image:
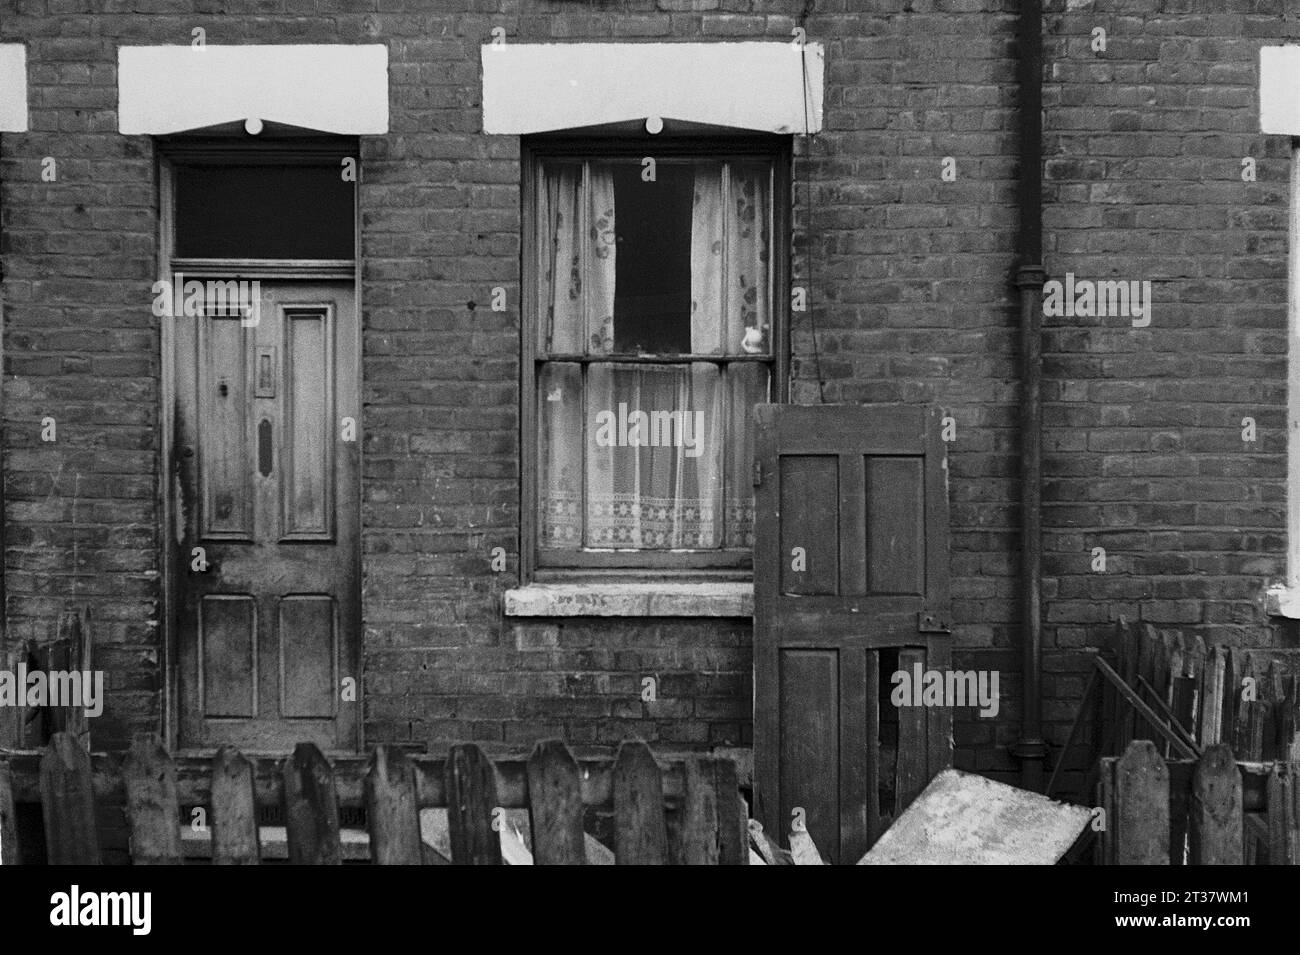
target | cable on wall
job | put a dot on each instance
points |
(808, 199)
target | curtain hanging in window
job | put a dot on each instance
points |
(665, 450)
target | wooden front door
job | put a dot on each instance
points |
(850, 584)
(266, 471)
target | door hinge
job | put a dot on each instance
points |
(758, 473)
(927, 621)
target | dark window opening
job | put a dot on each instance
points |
(652, 303)
(264, 212)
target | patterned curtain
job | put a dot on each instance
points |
(666, 449)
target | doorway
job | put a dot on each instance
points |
(263, 401)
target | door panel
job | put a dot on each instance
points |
(269, 490)
(223, 441)
(850, 568)
(309, 466)
(228, 636)
(308, 649)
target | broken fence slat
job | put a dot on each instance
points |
(9, 854)
(1140, 707)
(555, 805)
(471, 806)
(311, 811)
(1142, 806)
(391, 811)
(151, 809)
(235, 839)
(1215, 823)
(640, 831)
(68, 803)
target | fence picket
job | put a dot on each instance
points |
(68, 803)
(12, 718)
(1142, 806)
(700, 814)
(151, 808)
(471, 806)
(1286, 725)
(555, 805)
(9, 854)
(1135, 661)
(640, 833)
(1110, 835)
(1271, 695)
(235, 838)
(1215, 823)
(1283, 815)
(311, 810)
(1212, 697)
(733, 832)
(391, 808)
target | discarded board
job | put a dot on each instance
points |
(964, 819)
(804, 850)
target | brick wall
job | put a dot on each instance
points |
(911, 301)
(1143, 449)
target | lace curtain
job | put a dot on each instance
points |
(650, 456)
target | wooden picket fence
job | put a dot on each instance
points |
(1170, 688)
(1198, 692)
(689, 813)
(1213, 810)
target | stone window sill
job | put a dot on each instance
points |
(662, 599)
(1282, 601)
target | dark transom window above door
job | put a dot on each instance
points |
(249, 206)
(653, 286)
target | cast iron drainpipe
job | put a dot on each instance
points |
(1030, 748)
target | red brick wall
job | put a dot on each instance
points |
(910, 285)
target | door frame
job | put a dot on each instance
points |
(218, 150)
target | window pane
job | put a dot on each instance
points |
(263, 212)
(746, 385)
(560, 456)
(680, 264)
(654, 457)
(652, 306)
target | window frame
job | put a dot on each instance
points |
(712, 564)
(175, 152)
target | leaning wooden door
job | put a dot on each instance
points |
(851, 582)
(266, 470)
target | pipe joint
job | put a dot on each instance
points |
(1030, 276)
